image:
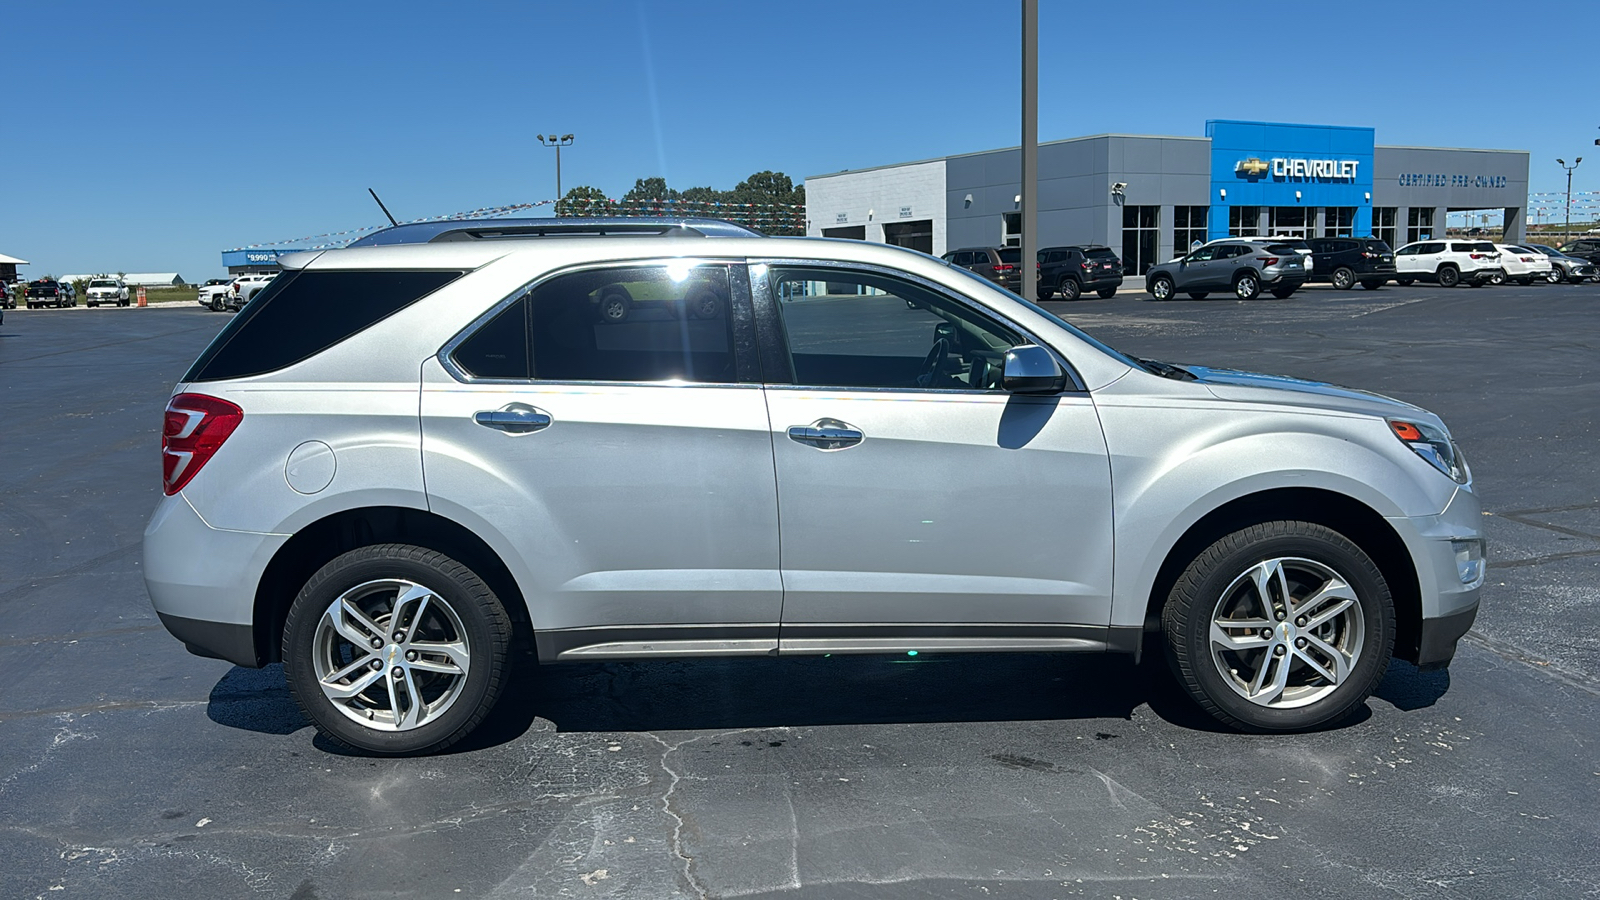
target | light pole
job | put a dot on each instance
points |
(1029, 286)
(558, 143)
(1566, 231)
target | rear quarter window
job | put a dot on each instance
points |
(301, 314)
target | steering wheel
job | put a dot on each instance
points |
(931, 365)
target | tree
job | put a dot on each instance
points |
(776, 206)
(584, 201)
(648, 197)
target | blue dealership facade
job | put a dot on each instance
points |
(1151, 197)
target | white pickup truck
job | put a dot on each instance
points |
(110, 291)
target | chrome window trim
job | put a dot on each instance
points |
(759, 267)
(446, 354)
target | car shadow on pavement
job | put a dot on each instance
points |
(728, 694)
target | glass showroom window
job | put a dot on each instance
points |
(1383, 224)
(1139, 237)
(1188, 227)
(1011, 235)
(1289, 221)
(1242, 221)
(1339, 221)
(1419, 224)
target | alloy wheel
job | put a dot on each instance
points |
(391, 655)
(1287, 632)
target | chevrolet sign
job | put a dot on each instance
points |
(1251, 167)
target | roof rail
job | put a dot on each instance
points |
(501, 229)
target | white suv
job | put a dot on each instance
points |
(400, 463)
(1448, 262)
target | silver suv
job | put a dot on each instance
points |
(1243, 268)
(399, 464)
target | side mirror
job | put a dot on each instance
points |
(1031, 369)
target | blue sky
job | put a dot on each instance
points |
(160, 134)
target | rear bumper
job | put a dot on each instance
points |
(202, 580)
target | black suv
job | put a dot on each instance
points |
(1584, 248)
(1000, 265)
(1073, 270)
(45, 292)
(1343, 261)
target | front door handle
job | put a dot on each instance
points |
(827, 434)
(513, 418)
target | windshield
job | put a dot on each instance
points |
(101, 282)
(1115, 354)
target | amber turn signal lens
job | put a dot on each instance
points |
(1406, 431)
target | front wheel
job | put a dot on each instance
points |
(1344, 278)
(1281, 626)
(396, 649)
(1556, 276)
(1161, 287)
(1405, 282)
(1247, 286)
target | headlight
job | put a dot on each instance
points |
(1434, 445)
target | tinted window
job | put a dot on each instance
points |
(1279, 249)
(1011, 255)
(500, 348)
(102, 283)
(1207, 253)
(865, 330)
(1431, 248)
(300, 314)
(1100, 253)
(1484, 247)
(1377, 247)
(645, 323)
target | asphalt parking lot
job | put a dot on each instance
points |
(130, 769)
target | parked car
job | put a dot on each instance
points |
(46, 292)
(1345, 262)
(1001, 265)
(1448, 263)
(215, 295)
(8, 295)
(1567, 268)
(1072, 270)
(1521, 264)
(1299, 245)
(1243, 268)
(244, 287)
(392, 499)
(69, 293)
(1583, 248)
(110, 291)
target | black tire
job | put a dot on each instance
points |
(1161, 287)
(1199, 295)
(1344, 278)
(1556, 276)
(1069, 287)
(703, 303)
(216, 304)
(1247, 286)
(91, 304)
(1371, 285)
(1499, 277)
(485, 630)
(1449, 276)
(1218, 574)
(1525, 280)
(1405, 282)
(1106, 293)
(615, 306)
(1284, 293)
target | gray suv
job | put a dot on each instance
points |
(403, 470)
(1242, 268)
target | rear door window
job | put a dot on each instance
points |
(301, 314)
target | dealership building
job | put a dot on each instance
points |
(251, 261)
(1150, 198)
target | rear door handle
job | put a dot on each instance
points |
(513, 418)
(827, 434)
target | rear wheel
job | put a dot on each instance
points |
(1449, 276)
(1069, 288)
(1199, 295)
(1281, 626)
(1371, 285)
(1247, 286)
(1343, 278)
(615, 307)
(1161, 287)
(396, 649)
(1106, 293)
(1405, 282)
(703, 303)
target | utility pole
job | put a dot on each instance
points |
(1030, 149)
(558, 143)
(1567, 229)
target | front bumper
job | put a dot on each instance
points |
(202, 580)
(1449, 604)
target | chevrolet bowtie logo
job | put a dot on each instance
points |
(1251, 167)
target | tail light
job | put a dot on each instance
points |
(1478, 255)
(193, 431)
(1269, 260)
(1003, 267)
(1086, 265)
